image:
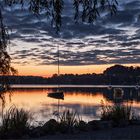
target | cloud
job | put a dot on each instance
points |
(109, 40)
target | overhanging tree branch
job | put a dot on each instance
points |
(85, 10)
(5, 59)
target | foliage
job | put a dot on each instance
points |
(86, 10)
(69, 120)
(91, 9)
(110, 76)
(5, 59)
(15, 123)
(116, 113)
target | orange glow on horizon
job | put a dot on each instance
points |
(49, 70)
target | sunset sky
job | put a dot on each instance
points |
(84, 48)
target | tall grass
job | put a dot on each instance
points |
(116, 112)
(15, 123)
(69, 120)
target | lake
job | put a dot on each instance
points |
(86, 101)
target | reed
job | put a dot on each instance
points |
(15, 123)
(69, 120)
(116, 113)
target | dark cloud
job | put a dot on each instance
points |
(109, 40)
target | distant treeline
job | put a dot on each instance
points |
(117, 74)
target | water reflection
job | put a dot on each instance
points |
(86, 102)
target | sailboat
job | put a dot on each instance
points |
(58, 94)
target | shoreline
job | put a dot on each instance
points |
(105, 132)
(37, 86)
(124, 133)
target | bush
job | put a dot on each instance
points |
(15, 123)
(117, 113)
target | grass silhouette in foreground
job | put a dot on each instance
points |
(117, 113)
(16, 122)
(69, 120)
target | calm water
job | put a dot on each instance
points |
(86, 101)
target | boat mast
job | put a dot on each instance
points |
(58, 72)
(58, 62)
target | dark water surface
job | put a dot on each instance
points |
(85, 100)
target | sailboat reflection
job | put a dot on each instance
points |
(59, 96)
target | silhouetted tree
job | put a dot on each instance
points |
(5, 60)
(117, 75)
(85, 10)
